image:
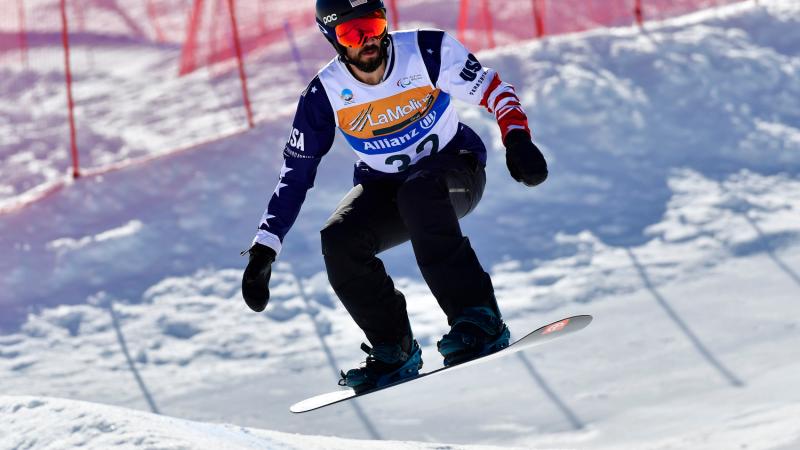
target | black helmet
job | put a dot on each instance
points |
(333, 12)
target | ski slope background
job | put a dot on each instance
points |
(672, 215)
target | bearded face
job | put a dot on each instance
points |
(369, 57)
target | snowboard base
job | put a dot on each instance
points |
(537, 337)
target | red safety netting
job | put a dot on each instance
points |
(487, 23)
(89, 86)
(259, 25)
(94, 85)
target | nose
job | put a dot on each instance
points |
(372, 40)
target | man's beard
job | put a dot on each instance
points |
(370, 65)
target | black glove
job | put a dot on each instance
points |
(524, 160)
(255, 282)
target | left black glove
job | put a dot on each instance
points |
(524, 160)
(255, 281)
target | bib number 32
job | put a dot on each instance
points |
(431, 142)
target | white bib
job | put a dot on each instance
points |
(393, 124)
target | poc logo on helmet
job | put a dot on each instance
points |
(328, 19)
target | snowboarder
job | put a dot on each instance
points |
(420, 171)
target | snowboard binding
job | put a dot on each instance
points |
(477, 332)
(385, 364)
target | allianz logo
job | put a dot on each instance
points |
(428, 121)
(365, 117)
(425, 123)
(389, 143)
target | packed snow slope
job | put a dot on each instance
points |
(40, 422)
(672, 215)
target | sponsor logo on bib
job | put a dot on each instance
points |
(428, 121)
(347, 96)
(394, 123)
(378, 122)
(384, 144)
(408, 81)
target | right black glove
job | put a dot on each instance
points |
(525, 162)
(255, 281)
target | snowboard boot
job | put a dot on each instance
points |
(385, 364)
(477, 332)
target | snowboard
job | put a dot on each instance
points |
(539, 336)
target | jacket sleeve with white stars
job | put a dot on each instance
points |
(313, 131)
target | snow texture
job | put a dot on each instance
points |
(40, 422)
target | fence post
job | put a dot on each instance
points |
(242, 75)
(217, 12)
(262, 24)
(23, 36)
(395, 15)
(153, 15)
(188, 60)
(463, 18)
(70, 102)
(538, 18)
(637, 12)
(487, 20)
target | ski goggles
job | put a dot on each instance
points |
(354, 33)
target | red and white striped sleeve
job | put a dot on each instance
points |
(462, 76)
(501, 100)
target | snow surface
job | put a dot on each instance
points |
(31, 422)
(672, 215)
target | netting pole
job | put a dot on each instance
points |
(153, 14)
(70, 103)
(23, 37)
(487, 20)
(538, 18)
(637, 11)
(217, 12)
(188, 60)
(463, 18)
(262, 23)
(393, 12)
(242, 75)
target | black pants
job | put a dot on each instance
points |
(424, 208)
